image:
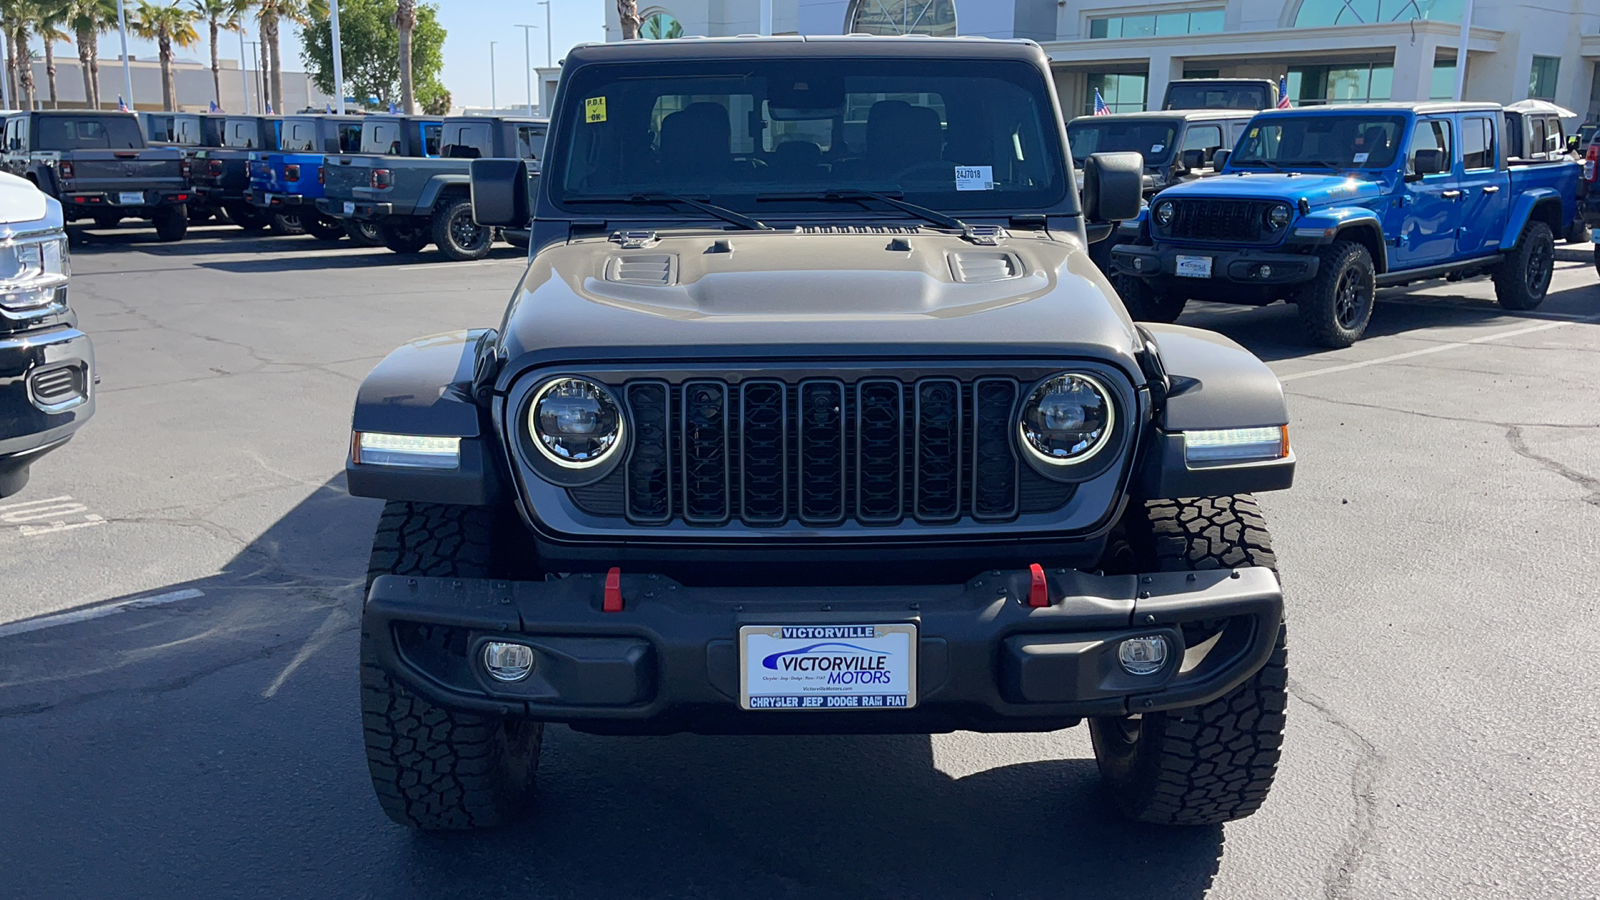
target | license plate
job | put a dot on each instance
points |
(828, 667)
(130, 198)
(349, 208)
(1194, 267)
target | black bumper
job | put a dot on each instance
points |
(1160, 263)
(354, 209)
(85, 202)
(669, 660)
(275, 200)
(36, 416)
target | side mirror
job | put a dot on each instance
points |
(1220, 159)
(1192, 160)
(500, 193)
(1427, 162)
(1113, 186)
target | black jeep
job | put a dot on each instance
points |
(811, 414)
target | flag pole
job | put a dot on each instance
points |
(127, 70)
(338, 55)
(244, 72)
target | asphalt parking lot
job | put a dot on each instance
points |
(1439, 552)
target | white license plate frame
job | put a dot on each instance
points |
(1192, 266)
(873, 667)
(130, 198)
(349, 208)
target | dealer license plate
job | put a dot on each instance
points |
(1194, 267)
(130, 198)
(349, 208)
(828, 667)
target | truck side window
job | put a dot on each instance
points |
(1477, 144)
(432, 135)
(530, 141)
(1203, 137)
(1430, 134)
(349, 138)
(1536, 145)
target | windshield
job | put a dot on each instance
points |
(1153, 139)
(774, 135)
(89, 133)
(1331, 142)
(1217, 96)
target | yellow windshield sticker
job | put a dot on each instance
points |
(594, 110)
(1253, 131)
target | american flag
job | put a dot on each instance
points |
(215, 108)
(1100, 107)
(122, 105)
(1283, 93)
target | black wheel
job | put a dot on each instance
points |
(433, 767)
(1145, 303)
(248, 217)
(458, 236)
(288, 223)
(1523, 277)
(323, 229)
(1212, 763)
(172, 223)
(1579, 232)
(107, 219)
(1336, 306)
(365, 234)
(404, 238)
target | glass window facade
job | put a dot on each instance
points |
(1359, 83)
(1122, 93)
(1200, 21)
(935, 17)
(1325, 13)
(1443, 86)
(1542, 77)
(659, 27)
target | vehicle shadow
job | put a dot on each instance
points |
(211, 746)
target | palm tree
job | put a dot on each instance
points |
(220, 15)
(405, 21)
(270, 13)
(166, 25)
(87, 19)
(51, 17)
(19, 16)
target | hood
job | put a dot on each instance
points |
(788, 294)
(21, 202)
(1317, 189)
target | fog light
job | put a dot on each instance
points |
(1138, 264)
(1143, 655)
(512, 662)
(1264, 271)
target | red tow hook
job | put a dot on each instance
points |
(1039, 593)
(613, 596)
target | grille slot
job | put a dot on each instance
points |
(1217, 220)
(822, 452)
(58, 388)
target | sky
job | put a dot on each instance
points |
(469, 25)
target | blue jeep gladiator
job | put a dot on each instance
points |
(290, 181)
(1320, 207)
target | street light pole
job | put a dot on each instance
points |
(527, 62)
(244, 73)
(127, 70)
(1461, 50)
(494, 102)
(261, 90)
(338, 55)
(548, 37)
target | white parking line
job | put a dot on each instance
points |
(1437, 348)
(53, 513)
(97, 612)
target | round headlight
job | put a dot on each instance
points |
(575, 423)
(1278, 216)
(1067, 420)
(1164, 211)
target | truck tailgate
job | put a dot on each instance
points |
(347, 177)
(110, 170)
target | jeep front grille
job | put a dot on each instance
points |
(1238, 221)
(822, 452)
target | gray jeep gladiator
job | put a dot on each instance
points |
(810, 414)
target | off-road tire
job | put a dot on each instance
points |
(324, 229)
(288, 223)
(363, 234)
(1336, 306)
(436, 768)
(404, 238)
(459, 237)
(1144, 303)
(1579, 232)
(172, 223)
(1522, 279)
(247, 217)
(1212, 763)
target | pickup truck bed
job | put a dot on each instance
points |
(412, 201)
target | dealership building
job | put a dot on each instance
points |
(1327, 50)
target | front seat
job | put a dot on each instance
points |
(695, 144)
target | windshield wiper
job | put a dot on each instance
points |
(723, 213)
(856, 195)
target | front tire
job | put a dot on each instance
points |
(1216, 762)
(458, 236)
(406, 238)
(172, 223)
(1523, 278)
(1336, 306)
(1145, 303)
(436, 768)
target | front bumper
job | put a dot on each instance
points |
(354, 209)
(36, 416)
(1227, 265)
(669, 660)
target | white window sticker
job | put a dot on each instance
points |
(1157, 148)
(1359, 158)
(974, 178)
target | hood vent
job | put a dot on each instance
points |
(984, 268)
(655, 270)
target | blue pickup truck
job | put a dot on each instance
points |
(1320, 207)
(289, 182)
